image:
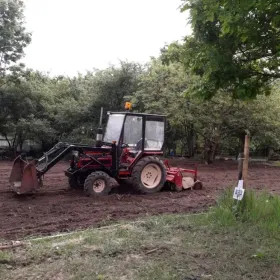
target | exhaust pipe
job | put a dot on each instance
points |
(99, 136)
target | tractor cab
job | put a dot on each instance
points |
(135, 131)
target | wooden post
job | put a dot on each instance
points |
(246, 161)
(240, 165)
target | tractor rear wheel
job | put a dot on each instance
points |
(149, 175)
(97, 184)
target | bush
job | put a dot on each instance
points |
(6, 153)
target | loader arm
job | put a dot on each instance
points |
(26, 175)
(57, 153)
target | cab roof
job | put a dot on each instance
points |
(136, 114)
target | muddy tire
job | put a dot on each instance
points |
(97, 184)
(148, 175)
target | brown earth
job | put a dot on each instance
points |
(56, 208)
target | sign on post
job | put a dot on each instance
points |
(239, 191)
(242, 171)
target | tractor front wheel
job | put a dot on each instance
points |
(97, 184)
(149, 175)
(75, 182)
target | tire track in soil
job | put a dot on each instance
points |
(55, 208)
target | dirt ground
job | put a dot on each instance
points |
(56, 208)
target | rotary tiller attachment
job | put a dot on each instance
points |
(23, 178)
(180, 178)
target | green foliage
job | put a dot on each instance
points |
(206, 124)
(211, 63)
(5, 257)
(38, 107)
(161, 90)
(36, 129)
(110, 88)
(45, 109)
(234, 47)
(13, 36)
(261, 211)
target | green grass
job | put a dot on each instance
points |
(259, 212)
(232, 241)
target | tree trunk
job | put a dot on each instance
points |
(209, 156)
(190, 142)
(182, 149)
(14, 145)
(9, 143)
(242, 142)
(207, 153)
(210, 150)
(18, 143)
(214, 152)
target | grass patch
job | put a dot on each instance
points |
(274, 163)
(259, 212)
(5, 257)
(232, 241)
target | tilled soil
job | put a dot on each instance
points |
(56, 208)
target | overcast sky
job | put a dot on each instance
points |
(71, 36)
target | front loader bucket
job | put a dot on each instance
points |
(23, 178)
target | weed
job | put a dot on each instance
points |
(5, 257)
(258, 210)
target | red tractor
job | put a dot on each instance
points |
(130, 149)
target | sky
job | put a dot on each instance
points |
(71, 36)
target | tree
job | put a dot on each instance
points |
(223, 121)
(13, 40)
(13, 35)
(160, 91)
(209, 124)
(110, 88)
(235, 47)
(22, 103)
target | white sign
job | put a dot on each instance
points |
(239, 191)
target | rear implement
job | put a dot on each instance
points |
(180, 179)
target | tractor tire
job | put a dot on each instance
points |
(97, 184)
(148, 175)
(74, 183)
